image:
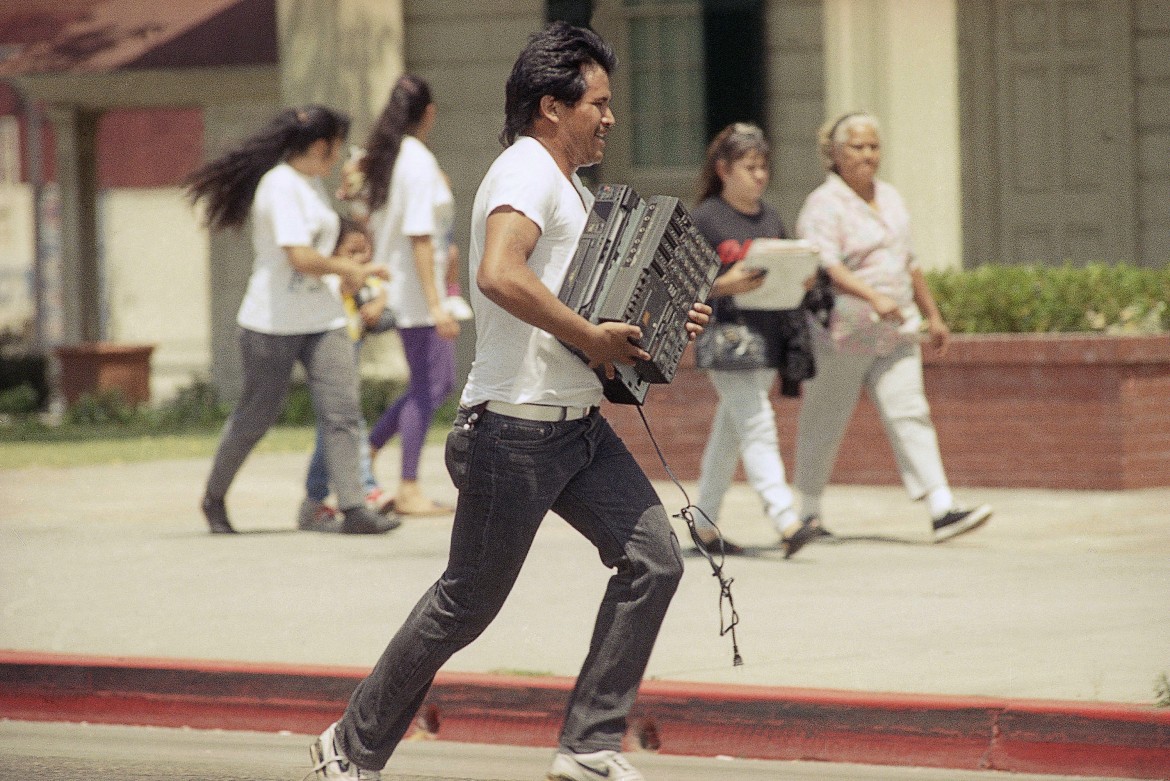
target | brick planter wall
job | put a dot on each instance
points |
(1011, 410)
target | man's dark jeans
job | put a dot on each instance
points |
(510, 473)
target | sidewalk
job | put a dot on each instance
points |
(1062, 597)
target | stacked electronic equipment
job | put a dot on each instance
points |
(641, 262)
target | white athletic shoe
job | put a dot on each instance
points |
(330, 764)
(599, 765)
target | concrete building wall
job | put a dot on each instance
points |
(340, 53)
(465, 52)
(796, 95)
(1152, 89)
(899, 59)
(154, 253)
(17, 240)
(17, 246)
(156, 281)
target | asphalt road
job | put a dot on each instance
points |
(73, 752)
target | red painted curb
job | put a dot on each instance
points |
(985, 733)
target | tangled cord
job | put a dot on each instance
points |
(728, 618)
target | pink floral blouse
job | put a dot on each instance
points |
(873, 243)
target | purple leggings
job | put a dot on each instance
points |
(431, 359)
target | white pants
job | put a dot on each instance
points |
(894, 384)
(744, 428)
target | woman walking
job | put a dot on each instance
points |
(730, 214)
(292, 309)
(411, 213)
(862, 228)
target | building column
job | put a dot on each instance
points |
(229, 250)
(899, 59)
(75, 132)
(345, 54)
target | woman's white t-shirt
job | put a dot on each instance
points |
(419, 204)
(291, 210)
(514, 361)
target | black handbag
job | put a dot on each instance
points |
(730, 345)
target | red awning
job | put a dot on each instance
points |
(96, 36)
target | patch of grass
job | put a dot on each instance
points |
(70, 446)
(102, 428)
(63, 447)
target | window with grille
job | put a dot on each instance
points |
(667, 82)
(694, 66)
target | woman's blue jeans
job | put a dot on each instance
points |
(317, 478)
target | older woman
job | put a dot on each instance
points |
(862, 228)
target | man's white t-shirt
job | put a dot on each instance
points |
(514, 361)
(290, 210)
(419, 204)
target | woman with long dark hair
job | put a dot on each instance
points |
(411, 213)
(292, 309)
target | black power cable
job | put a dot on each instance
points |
(727, 619)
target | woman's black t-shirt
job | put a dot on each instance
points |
(730, 232)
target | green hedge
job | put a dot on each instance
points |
(1039, 299)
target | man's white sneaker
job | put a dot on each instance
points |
(330, 763)
(599, 765)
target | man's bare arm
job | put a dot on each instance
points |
(506, 280)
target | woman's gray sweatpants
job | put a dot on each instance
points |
(333, 381)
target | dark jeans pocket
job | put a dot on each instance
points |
(458, 453)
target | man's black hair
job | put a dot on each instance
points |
(551, 64)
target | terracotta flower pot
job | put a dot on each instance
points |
(91, 367)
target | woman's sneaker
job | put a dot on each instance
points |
(363, 520)
(608, 765)
(317, 516)
(379, 501)
(330, 763)
(959, 521)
